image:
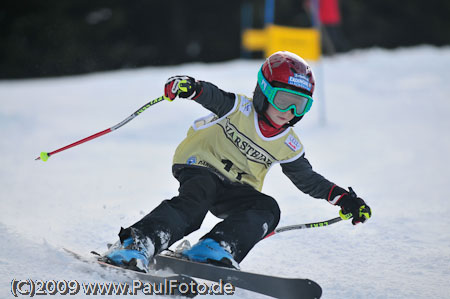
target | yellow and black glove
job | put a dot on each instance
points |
(183, 87)
(351, 205)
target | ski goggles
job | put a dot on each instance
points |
(285, 99)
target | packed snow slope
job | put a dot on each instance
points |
(386, 134)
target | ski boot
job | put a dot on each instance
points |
(133, 251)
(211, 252)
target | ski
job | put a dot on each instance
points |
(166, 281)
(278, 287)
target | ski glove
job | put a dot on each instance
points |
(182, 86)
(351, 205)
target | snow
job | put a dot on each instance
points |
(386, 135)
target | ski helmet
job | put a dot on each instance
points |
(288, 70)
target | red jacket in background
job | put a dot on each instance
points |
(329, 13)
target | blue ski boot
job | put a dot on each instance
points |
(133, 251)
(211, 252)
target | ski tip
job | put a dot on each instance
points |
(316, 289)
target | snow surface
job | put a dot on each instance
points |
(386, 135)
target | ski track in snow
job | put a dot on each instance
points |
(386, 135)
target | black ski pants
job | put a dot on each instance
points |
(248, 215)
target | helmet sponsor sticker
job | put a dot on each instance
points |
(301, 81)
(293, 143)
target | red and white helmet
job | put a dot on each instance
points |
(289, 70)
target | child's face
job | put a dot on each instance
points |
(278, 117)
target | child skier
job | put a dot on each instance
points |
(221, 167)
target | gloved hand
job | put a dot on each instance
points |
(351, 203)
(182, 86)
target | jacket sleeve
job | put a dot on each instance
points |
(300, 172)
(216, 100)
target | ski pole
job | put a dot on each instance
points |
(310, 225)
(44, 155)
